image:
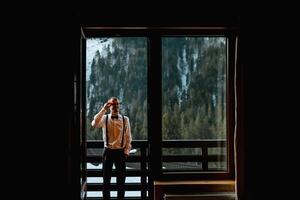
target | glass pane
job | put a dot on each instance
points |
(117, 67)
(194, 97)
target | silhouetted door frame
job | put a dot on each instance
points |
(80, 95)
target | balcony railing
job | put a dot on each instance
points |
(137, 164)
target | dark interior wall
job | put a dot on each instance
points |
(159, 15)
(270, 106)
(40, 52)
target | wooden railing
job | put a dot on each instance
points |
(141, 157)
(203, 158)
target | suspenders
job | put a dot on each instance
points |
(106, 129)
(123, 130)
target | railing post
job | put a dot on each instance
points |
(204, 156)
(143, 172)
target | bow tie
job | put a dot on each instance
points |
(114, 117)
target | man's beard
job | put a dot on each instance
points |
(114, 112)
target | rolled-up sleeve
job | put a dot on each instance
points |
(98, 120)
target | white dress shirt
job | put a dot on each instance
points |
(115, 131)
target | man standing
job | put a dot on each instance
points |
(117, 144)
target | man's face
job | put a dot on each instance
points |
(114, 105)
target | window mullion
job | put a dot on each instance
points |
(154, 105)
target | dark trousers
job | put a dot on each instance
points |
(111, 157)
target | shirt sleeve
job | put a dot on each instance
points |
(98, 120)
(127, 137)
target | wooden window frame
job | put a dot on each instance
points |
(154, 88)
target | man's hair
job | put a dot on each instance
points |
(115, 99)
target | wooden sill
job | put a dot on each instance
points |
(192, 186)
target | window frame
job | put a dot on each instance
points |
(154, 87)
